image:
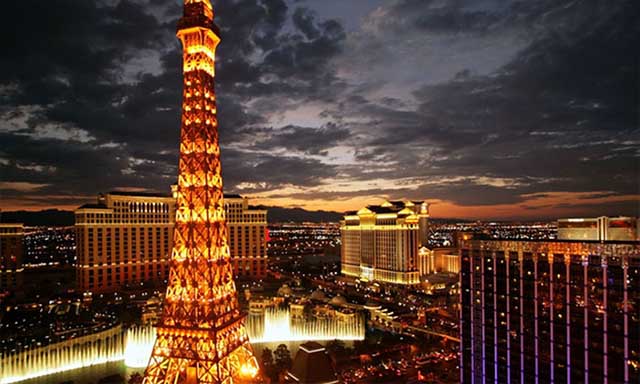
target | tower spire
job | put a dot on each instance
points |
(201, 335)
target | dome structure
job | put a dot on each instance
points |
(338, 300)
(318, 295)
(285, 291)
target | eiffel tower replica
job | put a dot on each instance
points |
(201, 337)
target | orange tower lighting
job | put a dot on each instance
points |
(201, 336)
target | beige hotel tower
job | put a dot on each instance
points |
(126, 238)
(381, 242)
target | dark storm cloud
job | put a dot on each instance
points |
(563, 114)
(477, 17)
(70, 75)
(85, 168)
(606, 210)
(447, 16)
(312, 141)
(65, 48)
(262, 172)
(463, 192)
(475, 102)
(304, 21)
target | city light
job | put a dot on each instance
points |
(412, 192)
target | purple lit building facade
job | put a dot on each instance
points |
(549, 312)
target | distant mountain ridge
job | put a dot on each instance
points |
(46, 218)
(58, 218)
(299, 215)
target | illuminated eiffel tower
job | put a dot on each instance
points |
(201, 336)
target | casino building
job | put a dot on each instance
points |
(126, 239)
(382, 242)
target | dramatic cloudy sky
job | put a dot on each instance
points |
(486, 108)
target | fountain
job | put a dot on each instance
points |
(85, 351)
(277, 325)
(139, 346)
(134, 345)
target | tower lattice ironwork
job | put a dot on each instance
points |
(201, 337)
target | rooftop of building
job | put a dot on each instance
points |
(93, 206)
(312, 347)
(312, 365)
(155, 194)
(141, 194)
(138, 194)
(11, 229)
(441, 277)
(380, 209)
(11, 225)
(393, 206)
(599, 217)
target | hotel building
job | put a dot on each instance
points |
(381, 243)
(549, 311)
(11, 252)
(438, 260)
(126, 239)
(599, 228)
(247, 237)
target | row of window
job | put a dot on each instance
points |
(117, 276)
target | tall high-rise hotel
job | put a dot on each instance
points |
(126, 238)
(381, 242)
(550, 311)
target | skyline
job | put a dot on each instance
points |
(488, 109)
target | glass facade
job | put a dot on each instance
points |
(542, 312)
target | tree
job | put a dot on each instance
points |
(267, 357)
(359, 346)
(283, 357)
(336, 345)
(336, 349)
(135, 378)
(268, 366)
